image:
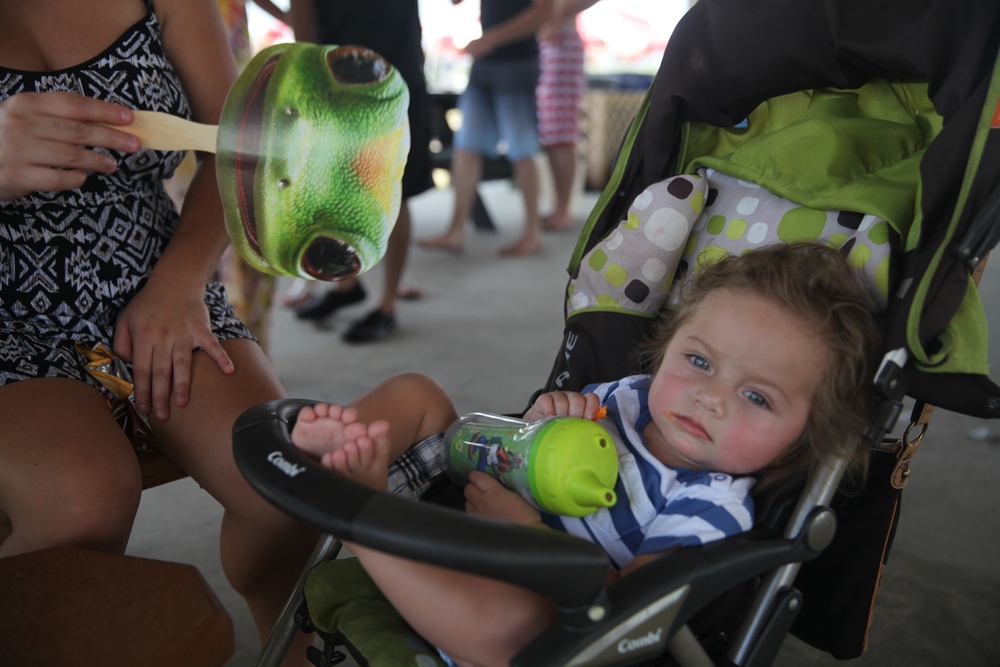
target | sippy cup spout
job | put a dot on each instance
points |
(587, 489)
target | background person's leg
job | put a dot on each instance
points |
(381, 322)
(530, 241)
(477, 136)
(561, 86)
(562, 162)
(518, 127)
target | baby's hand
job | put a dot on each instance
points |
(486, 496)
(564, 404)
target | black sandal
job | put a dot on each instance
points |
(324, 305)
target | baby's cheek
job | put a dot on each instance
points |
(763, 446)
(663, 392)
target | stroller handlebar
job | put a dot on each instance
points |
(569, 570)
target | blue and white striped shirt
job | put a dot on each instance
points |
(659, 506)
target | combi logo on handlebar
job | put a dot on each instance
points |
(652, 638)
(284, 465)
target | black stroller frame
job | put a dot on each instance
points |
(726, 57)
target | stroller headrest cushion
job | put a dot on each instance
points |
(682, 222)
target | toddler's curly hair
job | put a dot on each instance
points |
(815, 283)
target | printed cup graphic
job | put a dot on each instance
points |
(561, 465)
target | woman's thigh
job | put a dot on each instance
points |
(198, 437)
(66, 469)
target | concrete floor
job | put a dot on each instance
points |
(488, 329)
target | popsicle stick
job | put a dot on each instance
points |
(163, 132)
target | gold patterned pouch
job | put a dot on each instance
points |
(104, 366)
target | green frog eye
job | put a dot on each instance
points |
(330, 259)
(358, 65)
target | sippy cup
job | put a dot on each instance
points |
(561, 465)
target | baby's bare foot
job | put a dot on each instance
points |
(323, 428)
(364, 459)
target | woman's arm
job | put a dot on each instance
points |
(302, 14)
(272, 9)
(168, 319)
(519, 26)
(566, 10)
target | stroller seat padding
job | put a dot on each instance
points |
(345, 603)
(682, 222)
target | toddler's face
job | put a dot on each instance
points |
(735, 386)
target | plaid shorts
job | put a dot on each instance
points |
(413, 472)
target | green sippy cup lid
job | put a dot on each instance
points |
(575, 467)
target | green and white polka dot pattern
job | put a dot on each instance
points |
(633, 267)
(682, 222)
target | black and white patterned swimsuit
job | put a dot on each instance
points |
(70, 261)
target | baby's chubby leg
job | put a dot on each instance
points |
(343, 444)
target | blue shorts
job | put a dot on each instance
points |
(495, 121)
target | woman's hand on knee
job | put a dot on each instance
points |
(158, 332)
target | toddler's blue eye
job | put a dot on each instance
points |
(699, 362)
(756, 398)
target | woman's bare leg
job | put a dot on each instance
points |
(68, 475)
(530, 242)
(263, 550)
(562, 161)
(394, 262)
(466, 172)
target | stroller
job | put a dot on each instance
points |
(772, 65)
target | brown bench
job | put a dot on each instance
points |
(68, 607)
(71, 607)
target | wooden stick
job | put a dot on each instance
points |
(163, 132)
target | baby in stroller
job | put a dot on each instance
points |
(762, 371)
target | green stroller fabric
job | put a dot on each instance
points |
(864, 151)
(345, 604)
(856, 150)
(778, 65)
(785, 63)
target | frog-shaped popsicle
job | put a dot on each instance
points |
(311, 149)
